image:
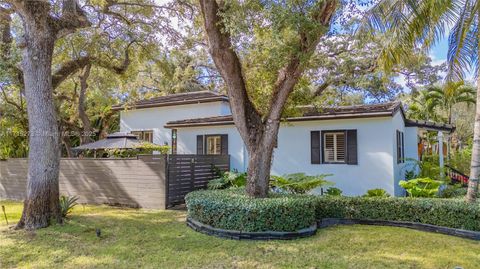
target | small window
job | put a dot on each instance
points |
(400, 147)
(334, 147)
(214, 145)
(144, 135)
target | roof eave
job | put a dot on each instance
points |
(183, 102)
(292, 119)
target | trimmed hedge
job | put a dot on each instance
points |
(441, 212)
(233, 210)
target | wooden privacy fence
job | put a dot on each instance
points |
(187, 173)
(135, 182)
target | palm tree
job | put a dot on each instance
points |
(421, 108)
(446, 96)
(419, 24)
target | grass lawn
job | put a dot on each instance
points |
(160, 239)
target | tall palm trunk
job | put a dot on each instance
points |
(475, 163)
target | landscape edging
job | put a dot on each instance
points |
(239, 235)
(327, 222)
(324, 223)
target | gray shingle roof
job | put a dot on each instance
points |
(310, 113)
(177, 99)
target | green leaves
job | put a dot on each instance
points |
(421, 187)
(228, 180)
(233, 210)
(67, 203)
(443, 212)
(299, 183)
(377, 193)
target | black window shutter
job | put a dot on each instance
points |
(403, 149)
(224, 142)
(352, 147)
(399, 150)
(200, 145)
(315, 147)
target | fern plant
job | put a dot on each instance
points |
(228, 180)
(67, 203)
(332, 191)
(377, 193)
(299, 183)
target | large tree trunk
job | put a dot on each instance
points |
(260, 162)
(475, 163)
(41, 204)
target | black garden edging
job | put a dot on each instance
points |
(324, 223)
(327, 222)
(238, 235)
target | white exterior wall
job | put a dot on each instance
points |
(376, 152)
(374, 168)
(156, 118)
(399, 168)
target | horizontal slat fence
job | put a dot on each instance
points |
(187, 173)
(135, 182)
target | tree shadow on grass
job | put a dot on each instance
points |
(160, 239)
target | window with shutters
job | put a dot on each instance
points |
(214, 144)
(334, 147)
(144, 135)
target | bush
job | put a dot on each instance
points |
(228, 180)
(332, 191)
(452, 191)
(67, 204)
(299, 183)
(377, 193)
(441, 212)
(231, 209)
(421, 187)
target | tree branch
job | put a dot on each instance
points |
(82, 114)
(73, 17)
(71, 67)
(245, 115)
(290, 74)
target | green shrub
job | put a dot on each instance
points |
(453, 191)
(299, 183)
(228, 180)
(377, 193)
(332, 191)
(67, 203)
(460, 160)
(442, 212)
(421, 187)
(231, 209)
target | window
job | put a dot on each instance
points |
(334, 147)
(400, 147)
(144, 135)
(214, 145)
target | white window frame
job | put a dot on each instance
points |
(217, 141)
(141, 135)
(335, 147)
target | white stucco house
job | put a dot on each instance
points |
(363, 147)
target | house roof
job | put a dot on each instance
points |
(310, 113)
(176, 99)
(429, 125)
